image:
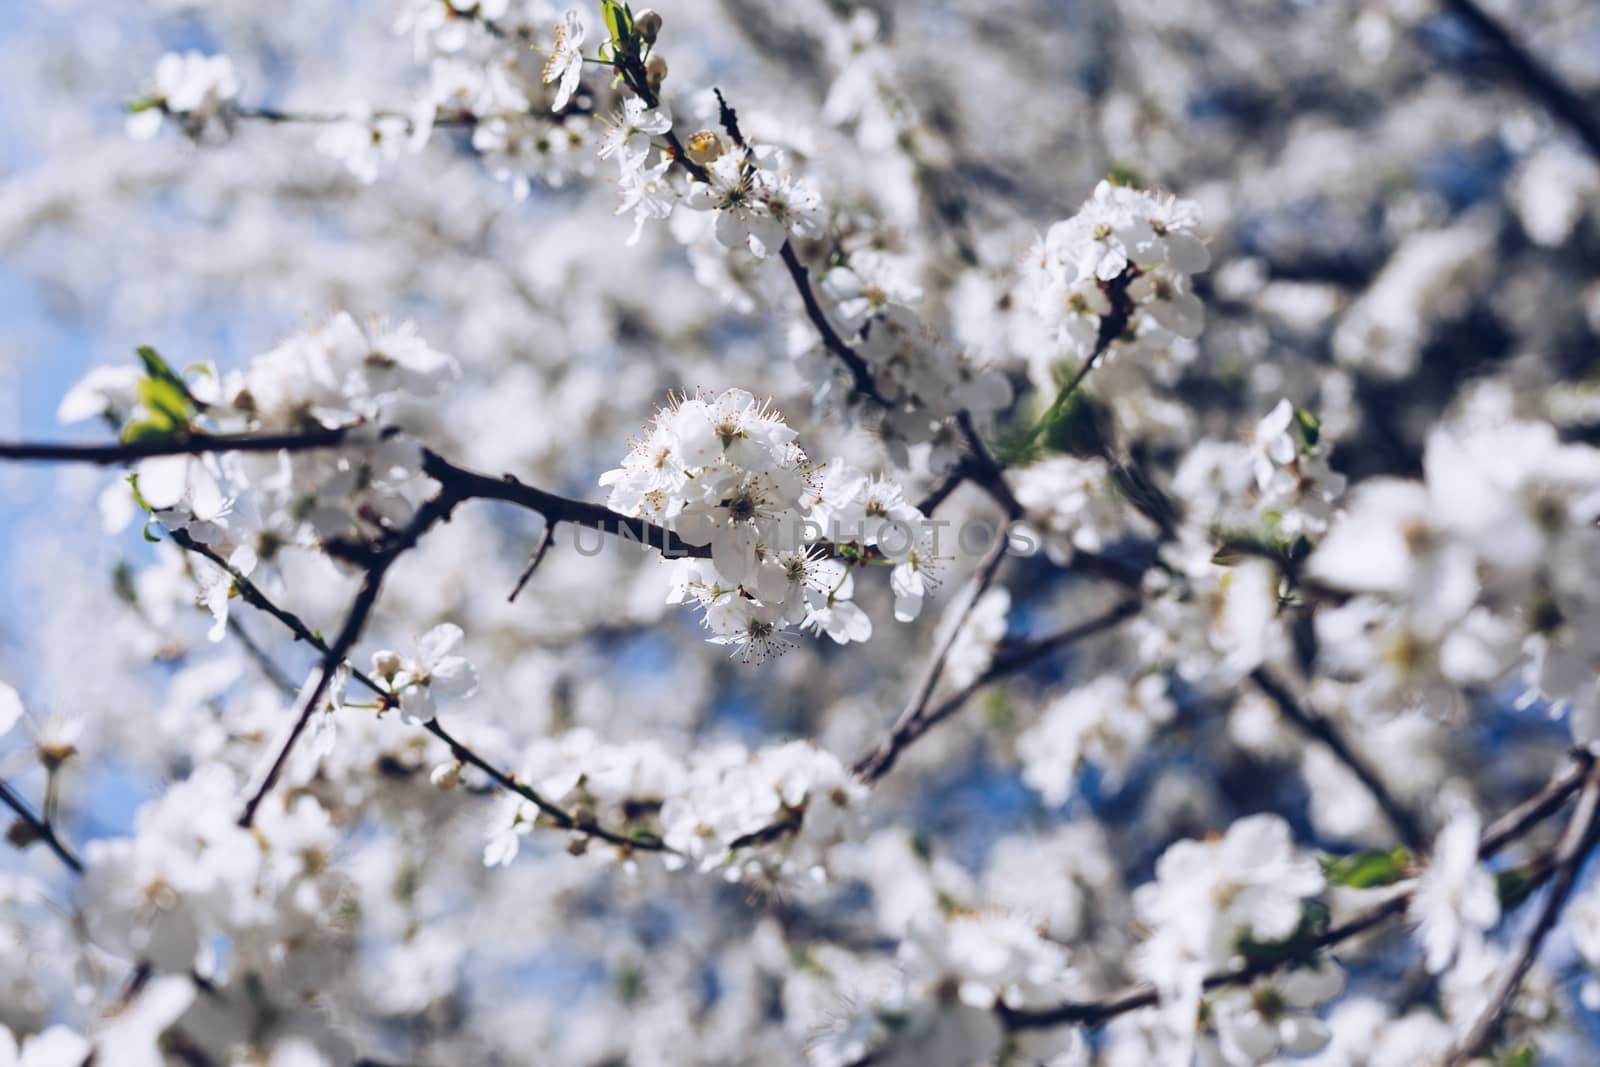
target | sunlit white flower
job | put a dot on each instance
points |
(565, 65)
(438, 671)
(1455, 899)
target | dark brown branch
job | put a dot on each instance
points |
(252, 595)
(470, 485)
(1509, 827)
(557, 815)
(860, 373)
(545, 541)
(1535, 78)
(191, 444)
(1405, 823)
(434, 511)
(877, 762)
(37, 829)
(1575, 845)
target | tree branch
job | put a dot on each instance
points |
(912, 724)
(38, 829)
(190, 444)
(545, 541)
(1575, 845)
(1536, 79)
(1405, 823)
(1509, 827)
(252, 595)
(434, 511)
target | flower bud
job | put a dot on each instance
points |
(446, 775)
(656, 71)
(648, 23)
(386, 663)
(705, 147)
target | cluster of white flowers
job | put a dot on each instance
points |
(1123, 245)
(1106, 723)
(954, 970)
(192, 89)
(1463, 576)
(339, 375)
(1072, 506)
(924, 379)
(192, 892)
(1209, 897)
(1252, 511)
(724, 470)
(248, 506)
(770, 816)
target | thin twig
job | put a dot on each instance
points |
(545, 541)
(270, 670)
(561, 818)
(1537, 79)
(1406, 825)
(253, 596)
(876, 764)
(1574, 847)
(38, 829)
(366, 598)
(1509, 827)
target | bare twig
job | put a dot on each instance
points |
(1575, 845)
(558, 816)
(545, 541)
(1504, 830)
(1535, 78)
(875, 764)
(258, 655)
(38, 829)
(430, 513)
(1405, 822)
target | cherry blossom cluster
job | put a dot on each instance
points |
(725, 471)
(1466, 577)
(250, 506)
(196, 91)
(252, 912)
(1127, 257)
(953, 971)
(770, 816)
(1211, 898)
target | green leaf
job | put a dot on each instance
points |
(157, 428)
(144, 103)
(1515, 885)
(1310, 427)
(160, 370)
(148, 536)
(619, 21)
(1300, 946)
(157, 367)
(166, 401)
(1521, 1056)
(1125, 175)
(1367, 870)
